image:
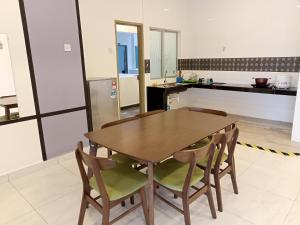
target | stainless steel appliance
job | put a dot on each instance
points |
(103, 101)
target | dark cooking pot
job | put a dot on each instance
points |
(261, 81)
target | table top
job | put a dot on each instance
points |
(10, 101)
(157, 137)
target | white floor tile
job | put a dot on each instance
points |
(71, 165)
(273, 180)
(259, 207)
(12, 205)
(249, 155)
(3, 179)
(46, 185)
(293, 217)
(28, 219)
(32, 169)
(65, 210)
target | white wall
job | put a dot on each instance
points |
(98, 30)
(97, 20)
(242, 28)
(245, 28)
(296, 125)
(20, 146)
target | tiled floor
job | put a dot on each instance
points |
(269, 188)
(267, 133)
(129, 112)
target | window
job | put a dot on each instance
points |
(163, 53)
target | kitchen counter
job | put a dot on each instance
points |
(173, 88)
(248, 88)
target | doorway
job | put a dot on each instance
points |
(130, 65)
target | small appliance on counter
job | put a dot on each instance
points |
(207, 81)
(283, 81)
(261, 82)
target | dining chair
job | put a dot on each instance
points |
(120, 158)
(221, 157)
(114, 182)
(150, 113)
(209, 111)
(205, 141)
(180, 174)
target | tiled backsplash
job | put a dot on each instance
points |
(263, 64)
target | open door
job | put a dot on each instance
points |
(130, 64)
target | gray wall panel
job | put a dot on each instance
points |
(62, 132)
(58, 74)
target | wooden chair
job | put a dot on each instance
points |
(210, 111)
(221, 157)
(113, 182)
(180, 173)
(150, 113)
(119, 157)
(205, 141)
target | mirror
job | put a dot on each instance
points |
(8, 98)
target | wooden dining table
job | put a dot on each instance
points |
(155, 138)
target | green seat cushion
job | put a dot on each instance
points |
(120, 181)
(200, 143)
(120, 158)
(203, 162)
(172, 173)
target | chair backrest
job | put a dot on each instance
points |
(191, 156)
(231, 140)
(96, 164)
(210, 111)
(110, 124)
(141, 115)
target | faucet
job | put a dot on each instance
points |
(165, 81)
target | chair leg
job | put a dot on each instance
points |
(233, 179)
(82, 210)
(211, 203)
(123, 204)
(218, 192)
(186, 210)
(144, 204)
(105, 215)
(132, 200)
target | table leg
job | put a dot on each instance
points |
(7, 113)
(150, 194)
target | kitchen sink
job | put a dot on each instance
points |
(172, 85)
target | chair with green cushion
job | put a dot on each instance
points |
(120, 158)
(180, 175)
(114, 182)
(209, 111)
(220, 157)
